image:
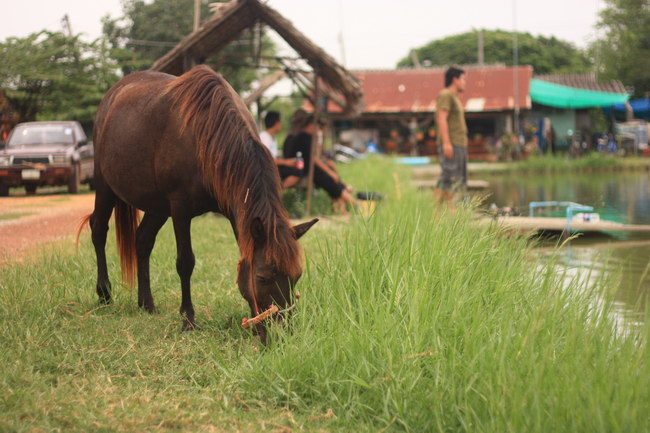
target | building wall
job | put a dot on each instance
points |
(563, 122)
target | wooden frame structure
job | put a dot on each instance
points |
(328, 78)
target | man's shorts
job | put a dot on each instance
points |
(454, 169)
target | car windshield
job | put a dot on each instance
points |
(34, 135)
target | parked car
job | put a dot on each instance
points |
(46, 153)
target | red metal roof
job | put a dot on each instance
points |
(488, 88)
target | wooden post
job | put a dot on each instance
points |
(197, 14)
(260, 124)
(312, 153)
(515, 66)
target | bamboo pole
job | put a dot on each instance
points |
(312, 153)
(197, 14)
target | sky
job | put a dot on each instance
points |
(376, 33)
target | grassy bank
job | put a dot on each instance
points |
(412, 320)
(562, 163)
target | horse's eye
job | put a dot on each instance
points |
(264, 280)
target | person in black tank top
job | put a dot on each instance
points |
(299, 140)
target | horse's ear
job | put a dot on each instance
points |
(301, 229)
(257, 231)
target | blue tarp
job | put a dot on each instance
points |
(641, 108)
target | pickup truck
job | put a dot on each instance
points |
(46, 153)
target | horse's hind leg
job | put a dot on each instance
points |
(104, 203)
(144, 241)
(184, 263)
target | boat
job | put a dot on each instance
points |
(578, 218)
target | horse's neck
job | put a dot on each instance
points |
(257, 194)
(233, 224)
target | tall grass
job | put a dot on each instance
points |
(411, 320)
(558, 163)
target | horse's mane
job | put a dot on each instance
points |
(236, 166)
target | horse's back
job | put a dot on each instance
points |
(123, 88)
(141, 153)
(131, 100)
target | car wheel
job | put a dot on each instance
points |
(30, 189)
(4, 190)
(74, 184)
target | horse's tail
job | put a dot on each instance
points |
(126, 223)
(85, 220)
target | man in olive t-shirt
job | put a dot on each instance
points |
(452, 136)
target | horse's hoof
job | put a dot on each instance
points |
(105, 300)
(149, 309)
(189, 326)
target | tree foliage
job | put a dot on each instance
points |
(546, 55)
(623, 50)
(148, 30)
(52, 76)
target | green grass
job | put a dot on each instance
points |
(61, 198)
(295, 201)
(14, 215)
(50, 190)
(412, 320)
(557, 163)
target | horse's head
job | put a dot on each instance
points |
(263, 283)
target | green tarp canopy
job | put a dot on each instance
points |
(559, 96)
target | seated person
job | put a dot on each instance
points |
(299, 140)
(300, 117)
(289, 173)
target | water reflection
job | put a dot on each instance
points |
(620, 197)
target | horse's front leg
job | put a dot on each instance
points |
(144, 241)
(184, 263)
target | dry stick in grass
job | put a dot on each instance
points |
(397, 188)
(420, 355)
(88, 313)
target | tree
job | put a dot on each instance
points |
(149, 30)
(545, 55)
(623, 50)
(52, 76)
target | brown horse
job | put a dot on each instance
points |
(181, 147)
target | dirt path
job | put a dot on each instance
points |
(27, 222)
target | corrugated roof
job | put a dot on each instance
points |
(489, 88)
(584, 81)
(231, 19)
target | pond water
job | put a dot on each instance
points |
(616, 196)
